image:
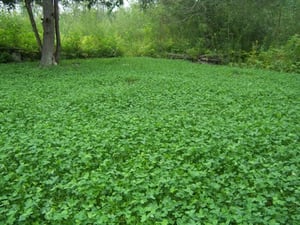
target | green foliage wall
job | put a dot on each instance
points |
(227, 29)
(284, 58)
(90, 35)
(15, 33)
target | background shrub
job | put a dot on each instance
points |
(224, 30)
(285, 58)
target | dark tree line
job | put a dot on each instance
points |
(230, 25)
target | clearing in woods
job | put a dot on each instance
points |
(148, 141)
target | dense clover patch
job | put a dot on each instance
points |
(145, 141)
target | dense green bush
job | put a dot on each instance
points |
(70, 45)
(15, 32)
(16, 37)
(88, 46)
(285, 58)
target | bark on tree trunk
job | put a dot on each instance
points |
(48, 57)
(57, 33)
(33, 24)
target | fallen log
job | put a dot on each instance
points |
(204, 59)
(207, 59)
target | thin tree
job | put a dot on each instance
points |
(50, 47)
(33, 24)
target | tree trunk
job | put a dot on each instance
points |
(57, 33)
(33, 24)
(48, 57)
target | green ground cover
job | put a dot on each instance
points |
(148, 141)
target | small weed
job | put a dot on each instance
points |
(131, 80)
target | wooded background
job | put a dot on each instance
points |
(263, 33)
